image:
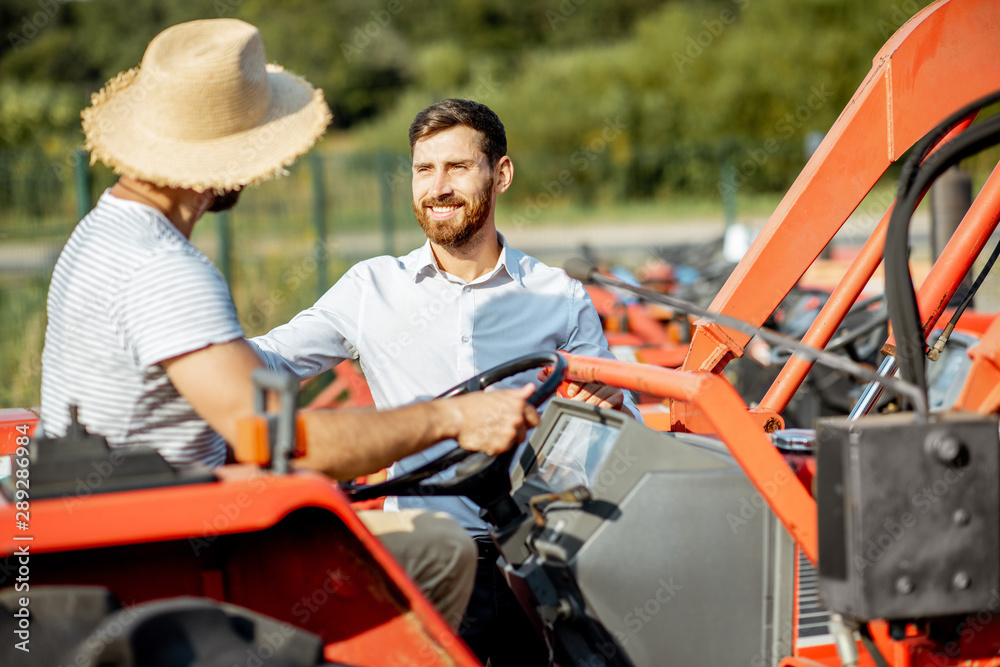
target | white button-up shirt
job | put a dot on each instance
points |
(418, 331)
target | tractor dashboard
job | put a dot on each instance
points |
(602, 494)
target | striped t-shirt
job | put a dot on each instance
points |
(128, 292)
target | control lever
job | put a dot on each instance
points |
(576, 494)
(268, 439)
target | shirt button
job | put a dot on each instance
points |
(466, 289)
(465, 339)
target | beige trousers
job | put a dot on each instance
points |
(434, 550)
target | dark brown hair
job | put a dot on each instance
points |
(449, 113)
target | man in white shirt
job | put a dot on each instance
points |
(142, 334)
(462, 303)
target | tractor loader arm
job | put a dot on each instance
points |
(941, 60)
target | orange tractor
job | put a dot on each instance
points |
(711, 535)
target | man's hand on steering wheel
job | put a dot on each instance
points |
(492, 422)
(489, 423)
(592, 393)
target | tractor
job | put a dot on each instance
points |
(710, 534)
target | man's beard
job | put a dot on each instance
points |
(452, 233)
(225, 201)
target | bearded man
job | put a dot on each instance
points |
(460, 304)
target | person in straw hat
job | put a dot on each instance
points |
(142, 333)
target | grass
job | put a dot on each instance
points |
(22, 327)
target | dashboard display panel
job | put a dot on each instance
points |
(574, 453)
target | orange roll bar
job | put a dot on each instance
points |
(957, 257)
(793, 374)
(919, 77)
(725, 411)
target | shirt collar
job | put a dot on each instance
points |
(425, 263)
(509, 261)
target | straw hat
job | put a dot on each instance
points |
(204, 111)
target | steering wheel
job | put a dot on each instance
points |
(469, 477)
(863, 340)
(860, 335)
